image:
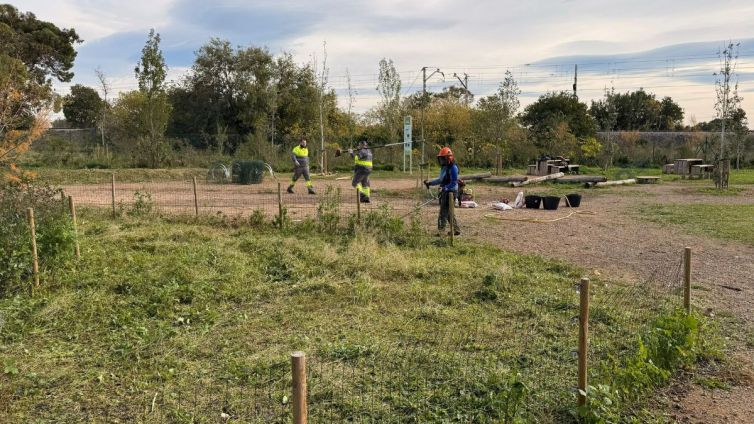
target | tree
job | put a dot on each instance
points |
(24, 109)
(605, 112)
(495, 116)
(31, 53)
(46, 50)
(555, 116)
(105, 87)
(389, 87)
(637, 111)
(154, 108)
(727, 101)
(82, 107)
(237, 93)
(671, 115)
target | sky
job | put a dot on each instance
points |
(669, 48)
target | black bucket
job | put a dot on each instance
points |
(551, 202)
(532, 201)
(574, 200)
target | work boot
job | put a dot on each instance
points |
(290, 189)
(311, 190)
(364, 199)
(455, 233)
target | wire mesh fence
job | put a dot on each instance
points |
(269, 199)
(622, 314)
(520, 362)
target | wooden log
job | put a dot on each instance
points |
(540, 179)
(647, 180)
(583, 179)
(506, 180)
(475, 177)
(616, 182)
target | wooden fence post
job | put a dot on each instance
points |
(687, 280)
(418, 176)
(358, 206)
(112, 192)
(35, 258)
(280, 205)
(583, 338)
(498, 163)
(298, 367)
(72, 209)
(196, 199)
(452, 215)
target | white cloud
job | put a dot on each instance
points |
(481, 37)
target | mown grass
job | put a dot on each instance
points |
(728, 222)
(167, 319)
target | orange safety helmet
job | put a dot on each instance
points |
(445, 152)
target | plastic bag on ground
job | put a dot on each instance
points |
(500, 206)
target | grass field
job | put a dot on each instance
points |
(183, 321)
(729, 222)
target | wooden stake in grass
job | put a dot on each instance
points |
(280, 205)
(687, 280)
(112, 191)
(72, 209)
(298, 366)
(358, 206)
(33, 233)
(583, 338)
(196, 199)
(452, 215)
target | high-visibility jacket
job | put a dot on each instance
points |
(362, 157)
(300, 156)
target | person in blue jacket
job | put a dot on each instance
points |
(448, 182)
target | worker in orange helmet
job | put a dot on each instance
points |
(448, 182)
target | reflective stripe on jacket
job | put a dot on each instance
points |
(362, 157)
(300, 155)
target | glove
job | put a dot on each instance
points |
(350, 151)
(426, 184)
(296, 163)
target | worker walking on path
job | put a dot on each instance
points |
(362, 159)
(448, 182)
(300, 155)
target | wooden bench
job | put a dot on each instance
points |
(683, 166)
(647, 180)
(702, 171)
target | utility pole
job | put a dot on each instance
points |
(465, 83)
(424, 97)
(575, 79)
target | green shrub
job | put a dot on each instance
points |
(328, 211)
(54, 231)
(143, 204)
(673, 342)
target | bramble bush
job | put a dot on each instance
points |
(54, 231)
